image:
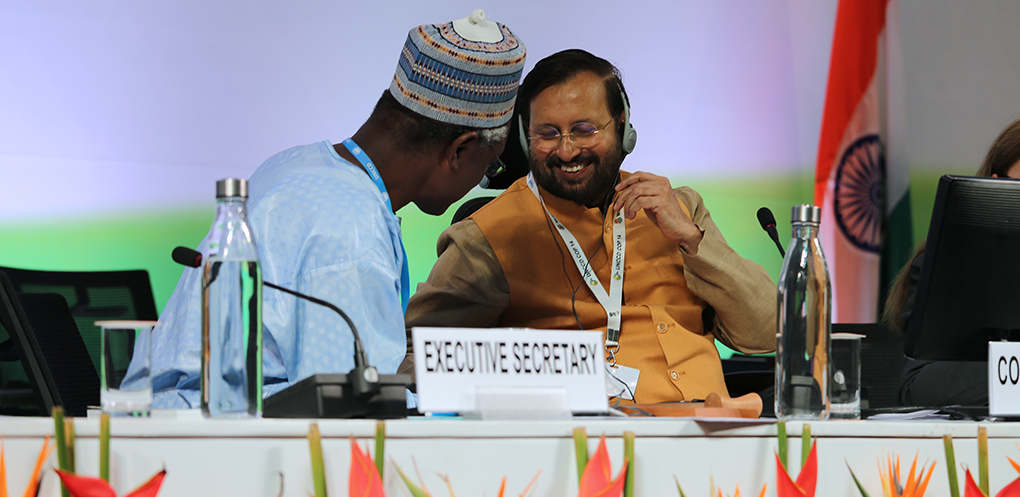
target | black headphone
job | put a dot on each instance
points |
(629, 140)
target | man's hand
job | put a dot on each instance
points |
(655, 195)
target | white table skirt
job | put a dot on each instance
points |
(246, 457)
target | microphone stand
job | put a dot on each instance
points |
(364, 378)
(361, 393)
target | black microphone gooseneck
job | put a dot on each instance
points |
(364, 378)
(768, 223)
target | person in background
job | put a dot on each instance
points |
(678, 285)
(323, 217)
(940, 383)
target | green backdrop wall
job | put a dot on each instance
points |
(144, 239)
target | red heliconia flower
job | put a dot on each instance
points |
(595, 482)
(364, 479)
(1011, 490)
(806, 480)
(971, 489)
(87, 486)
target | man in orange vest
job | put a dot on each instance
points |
(580, 244)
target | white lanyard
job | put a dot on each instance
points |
(613, 302)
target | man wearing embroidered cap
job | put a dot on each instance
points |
(579, 243)
(323, 214)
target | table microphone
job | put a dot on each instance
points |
(768, 223)
(364, 378)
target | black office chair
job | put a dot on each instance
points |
(92, 296)
(744, 374)
(43, 337)
(469, 207)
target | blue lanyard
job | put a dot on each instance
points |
(405, 277)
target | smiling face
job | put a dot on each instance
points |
(581, 175)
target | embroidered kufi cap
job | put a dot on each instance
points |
(448, 78)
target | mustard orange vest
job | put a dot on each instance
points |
(662, 332)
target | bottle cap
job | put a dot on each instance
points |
(232, 187)
(806, 213)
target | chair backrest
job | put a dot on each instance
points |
(92, 296)
(881, 362)
(50, 349)
(469, 207)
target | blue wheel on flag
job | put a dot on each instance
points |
(860, 193)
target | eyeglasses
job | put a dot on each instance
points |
(495, 168)
(582, 135)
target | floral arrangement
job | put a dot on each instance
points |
(972, 489)
(595, 473)
(85, 486)
(33, 481)
(893, 485)
(365, 477)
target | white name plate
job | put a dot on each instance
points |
(1003, 378)
(451, 365)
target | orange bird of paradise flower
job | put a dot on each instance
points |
(893, 486)
(420, 490)
(736, 493)
(33, 482)
(916, 482)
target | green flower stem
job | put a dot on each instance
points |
(781, 440)
(954, 482)
(61, 440)
(380, 446)
(805, 444)
(104, 446)
(69, 429)
(983, 458)
(318, 469)
(581, 450)
(628, 455)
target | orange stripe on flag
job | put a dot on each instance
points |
(853, 63)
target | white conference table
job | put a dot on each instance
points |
(247, 457)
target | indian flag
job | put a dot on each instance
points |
(861, 181)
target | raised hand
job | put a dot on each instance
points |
(655, 196)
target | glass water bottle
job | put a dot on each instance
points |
(802, 353)
(231, 310)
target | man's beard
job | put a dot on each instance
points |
(593, 191)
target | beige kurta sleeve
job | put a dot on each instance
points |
(740, 291)
(466, 288)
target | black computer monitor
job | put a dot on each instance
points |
(969, 288)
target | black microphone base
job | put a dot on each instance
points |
(332, 396)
